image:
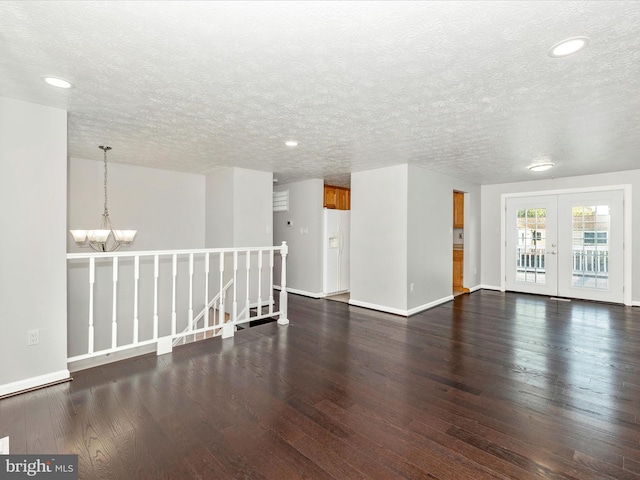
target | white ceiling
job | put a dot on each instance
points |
(462, 88)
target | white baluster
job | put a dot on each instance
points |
(173, 302)
(156, 273)
(228, 329)
(247, 303)
(92, 281)
(206, 289)
(282, 319)
(271, 265)
(260, 283)
(136, 275)
(114, 311)
(221, 314)
(190, 292)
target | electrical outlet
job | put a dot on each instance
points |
(4, 446)
(33, 337)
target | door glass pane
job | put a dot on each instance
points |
(530, 245)
(590, 246)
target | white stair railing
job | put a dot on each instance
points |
(192, 328)
(123, 300)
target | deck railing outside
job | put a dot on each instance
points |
(586, 262)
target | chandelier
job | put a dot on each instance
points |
(105, 239)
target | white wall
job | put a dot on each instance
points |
(430, 237)
(401, 234)
(379, 238)
(33, 283)
(252, 208)
(167, 208)
(219, 209)
(304, 236)
(239, 208)
(491, 226)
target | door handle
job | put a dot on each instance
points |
(552, 253)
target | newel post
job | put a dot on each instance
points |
(282, 319)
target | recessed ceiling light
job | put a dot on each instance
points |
(540, 167)
(291, 143)
(57, 82)
(568, 47)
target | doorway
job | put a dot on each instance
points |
(566, 245)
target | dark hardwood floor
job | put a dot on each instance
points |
(488, 386)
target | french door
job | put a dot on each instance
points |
(567, 245)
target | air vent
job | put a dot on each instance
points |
(281, 201)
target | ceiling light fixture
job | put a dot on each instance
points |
(291, 143)
(105, 239)
(540, 167)
(57, 82)
(568, 47)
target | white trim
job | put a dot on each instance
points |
(635, 304)
(399, 311)
(151, 253)
(429, 305)
(561, 191)
(382, 308)
(628, 246)
(492, 287)
(4, 446)
(475, 289)
(503, 243)
(107, 358)
(33, 382)
(164, 346)
(627, 226)
(301, 292)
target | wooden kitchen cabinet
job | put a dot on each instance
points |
(458, 257)
(330, 197)
(458, 210)
(337, 197)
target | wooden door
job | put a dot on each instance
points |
(458, 210)
(458, 256)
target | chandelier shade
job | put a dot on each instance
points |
(106, 238)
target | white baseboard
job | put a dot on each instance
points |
(429, 305)
(33, 382)
(635, 304)
(382, 308)
(301, 292)
(491, 287)
(475, 289)
(399, 311)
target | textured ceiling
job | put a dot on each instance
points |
(462, 88)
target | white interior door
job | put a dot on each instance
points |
(531, 234)
(568, 245)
